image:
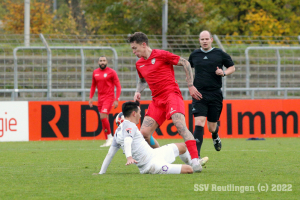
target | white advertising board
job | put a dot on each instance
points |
(14, 121)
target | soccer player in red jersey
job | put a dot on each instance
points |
(106, 79)
(155, 67)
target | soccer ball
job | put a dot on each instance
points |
(119, 119)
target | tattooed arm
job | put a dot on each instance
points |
(189, 78)
(188, 70)
(142, 84)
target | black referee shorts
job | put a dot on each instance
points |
(209, 106)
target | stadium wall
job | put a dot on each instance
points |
(75, 120)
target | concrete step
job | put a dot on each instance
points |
(131, 67)
(131, 75)
(76, 59)
(76, 96)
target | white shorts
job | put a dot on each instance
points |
(161, 162)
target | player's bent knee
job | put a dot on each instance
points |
(200, 121)
(103, 116)
(146, 134)
(150, 140)
(181, 148)
(186, 169)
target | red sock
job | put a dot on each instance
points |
(106, 127)
(192, 148)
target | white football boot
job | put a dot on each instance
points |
(197, 168)
(108, 142)
(203, 161)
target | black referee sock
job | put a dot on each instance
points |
(198, 135)
(215, 134)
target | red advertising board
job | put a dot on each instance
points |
(260, 118)
(73, 120)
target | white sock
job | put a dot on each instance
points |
(109, 136)
(186, 157)
(195, 161)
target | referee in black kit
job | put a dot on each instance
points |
(208, 63)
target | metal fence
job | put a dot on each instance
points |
(286, 75)
(71, 75)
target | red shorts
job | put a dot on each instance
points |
(160, 110)
(105, 106)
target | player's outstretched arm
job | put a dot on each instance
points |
(142, 84)
(111, 153)
(189, 78)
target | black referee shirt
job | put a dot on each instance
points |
(205, 64)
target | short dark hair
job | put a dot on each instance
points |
(129, 107)
(138, 37)
(102, 57)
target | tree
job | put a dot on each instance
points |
(65, 23)
(243, 17)
(262, 23)
(128, 16)
(76, 10)
(185, 17)
(96, 16)
(40, 17)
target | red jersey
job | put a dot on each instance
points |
(158, 72)
(105, 80)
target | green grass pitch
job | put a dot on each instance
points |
(63, 170)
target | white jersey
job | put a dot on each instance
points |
(140, 149)
(149, 161)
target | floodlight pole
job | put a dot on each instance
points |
(27, 23)
(54, 8)
(164, 24)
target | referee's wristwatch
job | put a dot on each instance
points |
(224, 74)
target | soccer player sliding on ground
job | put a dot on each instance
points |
(137, 150)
